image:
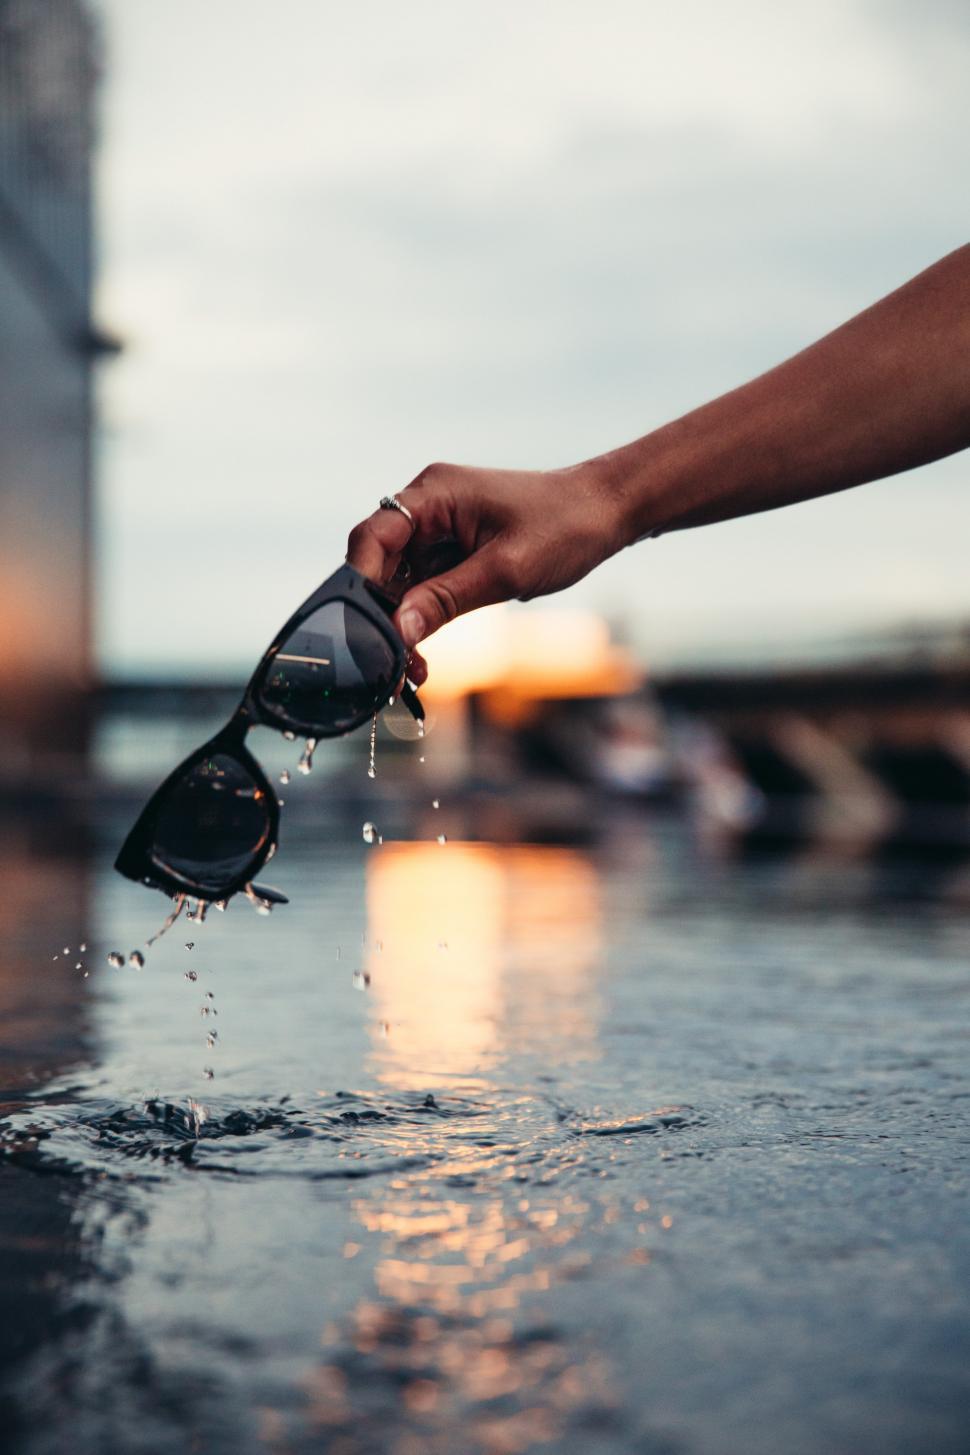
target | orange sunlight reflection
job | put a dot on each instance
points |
(469, 945)
(476, 951)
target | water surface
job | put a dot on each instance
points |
(507, 1147)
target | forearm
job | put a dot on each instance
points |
(887, 391)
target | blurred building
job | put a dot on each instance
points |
(48, 72)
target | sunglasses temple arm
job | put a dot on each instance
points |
(411, 701)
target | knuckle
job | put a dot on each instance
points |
(358, 535)
(446, 603)
(510, 570)
(433, 473)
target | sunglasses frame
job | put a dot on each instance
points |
(346, 585)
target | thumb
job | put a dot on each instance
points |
(478, 581)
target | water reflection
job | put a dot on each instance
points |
(475, 952)
(473, 947)
(41, 992)
(43, 909)
(484, 1230)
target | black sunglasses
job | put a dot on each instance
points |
(214, 822)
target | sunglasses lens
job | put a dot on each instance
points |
(213, 825)
(334, 671)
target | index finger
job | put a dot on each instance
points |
(375, 544)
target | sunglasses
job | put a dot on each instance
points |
(214, 822)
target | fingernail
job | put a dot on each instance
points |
(411, 627)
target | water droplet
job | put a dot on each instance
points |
(369, 833)
(199, 1115)
(209, 995)
(290, 737)
(190, 944)
(421, 733)
(204, 1010)
(208, 1073)
(371, 762)
(442, 944)
(379, 945)
(116, 959)
(137, 959)
(191, 975)
(261, 905)
(86, 974)
(66, 950)
(285, 776)
(442, 838)
(56, 957)
(79, 965)
(211, 1039)
(281, 802)
(435, 803)
(82, 948)
(305, 765)
(180, 903)
(221, 905)
(361, 980)
(421, 759)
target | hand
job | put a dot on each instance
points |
(504, 534)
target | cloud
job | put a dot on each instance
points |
(348, 241)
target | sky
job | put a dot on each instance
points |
(340, 242)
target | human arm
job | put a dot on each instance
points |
(885, 392)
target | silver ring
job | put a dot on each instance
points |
(391, 502)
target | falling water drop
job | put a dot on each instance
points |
(361, 980)
(421, 759)
(290, 737)
(305, 765)
(137, 959)
(205, 1010)
(211, 1039)
(369, 833)
(442, 838)
(116, 960)
(435, 803)
(66, 950)
(190, 944)
(208, 1073)
(260, 904)
(79, 965)
(180, 903)
(82, 948)
(285, 776)
(191, 975)
(371, 763)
